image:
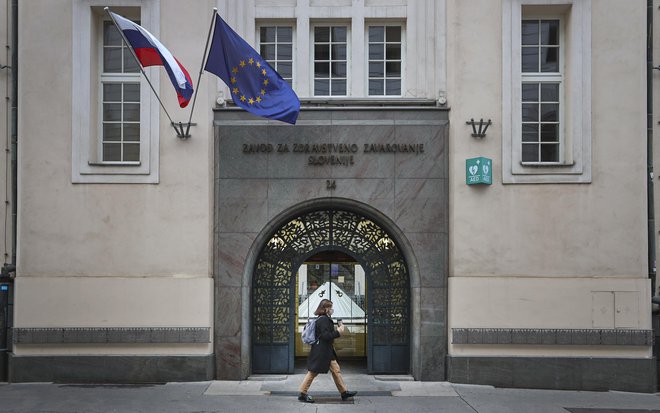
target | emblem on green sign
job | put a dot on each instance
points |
(478, 171)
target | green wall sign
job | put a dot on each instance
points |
(478, 171)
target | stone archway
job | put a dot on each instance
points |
(324, 228)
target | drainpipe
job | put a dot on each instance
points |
(9, 268)
(649, 145)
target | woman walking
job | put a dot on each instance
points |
(322, 356)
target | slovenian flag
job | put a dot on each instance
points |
(151, 52)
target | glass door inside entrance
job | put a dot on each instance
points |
(339, 278)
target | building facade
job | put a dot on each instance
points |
(468, 178)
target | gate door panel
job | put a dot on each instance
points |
(273, 289)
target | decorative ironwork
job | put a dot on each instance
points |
(273, 286)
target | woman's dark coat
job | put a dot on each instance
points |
(322, 353)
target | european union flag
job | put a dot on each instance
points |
(254, 85)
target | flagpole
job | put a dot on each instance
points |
(128, 46)
(201, 70)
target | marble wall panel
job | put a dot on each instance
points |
(431, 252)
(432, 312)
(228, 358)
(430, 164)
(242, 215)
(228, 310)
(230, 158)
(256, 188)
(230, 254)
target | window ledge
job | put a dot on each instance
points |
(138, 163)
(547, 164)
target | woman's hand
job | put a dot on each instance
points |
(340, 329)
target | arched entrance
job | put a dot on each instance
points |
(388, 319)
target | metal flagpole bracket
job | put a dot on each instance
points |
(481, 131)
(182, 129)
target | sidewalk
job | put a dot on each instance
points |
(277, 394)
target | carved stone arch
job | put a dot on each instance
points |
(330, 224)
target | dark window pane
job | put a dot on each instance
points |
(376, 34)
(130, 65)
(338, 87)
(112, 59)
(112, 131)
(393, 69)
(393, 52)
(132, 152)
(376, 69)
(131, 131)
(112, 111)
(530, 152)
(550, 32)
(268, 51)
(549, 59)
(321, 87)
(321, 34)
(550, 132)
(550, 152)
(530, 132)
(376, 52)
(284, 52)
(339, 34)
(530, 112)
(284, 34)
(111, 152)
(376, 87)
(339, 69)
(112, 92)
(530, 59)
(322, 69)
(550, 112)
(285, 69)
(550, 92)
(131, 92)
(321, 52)
(338, 52)
(393, 87)
(131, 112)
(393, 34)
(530, 32)
(267, 35)
(530, 92)
(111, 36)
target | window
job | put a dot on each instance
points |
(546, 125)
(120, 99)
(541, 85)
(115, 117)
(330, 60)
(384, 60)
(276, 47)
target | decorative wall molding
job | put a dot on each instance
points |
(113, 335)
(540, 336)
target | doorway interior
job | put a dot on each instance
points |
(338, 277)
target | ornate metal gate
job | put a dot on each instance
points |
(387, 280)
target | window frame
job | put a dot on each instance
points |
(312, 60)
(576, 163)
(280, 23)
(376, 23)
(117, 78)
(87, 166)
(546, 77)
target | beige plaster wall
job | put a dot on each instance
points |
(550, 230)
(114, 302)
(111, 254)
(554, 303)
(530, 255)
